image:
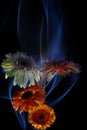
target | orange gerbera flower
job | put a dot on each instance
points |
(27, 98)
(41, 117)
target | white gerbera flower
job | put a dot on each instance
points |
(22, 67)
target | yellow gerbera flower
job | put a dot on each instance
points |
(22, 68)
(41, 117)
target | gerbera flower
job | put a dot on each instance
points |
(22, 67)
(41, 117)
(59, 67)
(27, 98)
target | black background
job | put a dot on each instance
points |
(71, 111)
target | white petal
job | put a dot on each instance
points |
(6, 76)
(15, 81)
(31, 78)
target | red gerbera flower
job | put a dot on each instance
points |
(59, 67)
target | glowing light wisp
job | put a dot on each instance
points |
(73, 82)
(56, 81)
(56, 49)
(20, 117)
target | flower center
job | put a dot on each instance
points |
(58, 63)
(23, 63)
(41, 116)
(27, 95)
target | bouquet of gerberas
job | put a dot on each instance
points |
(32, 81)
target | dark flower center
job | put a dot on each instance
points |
(41, 116)
(58, 63)
(22, 63)
(27, 95)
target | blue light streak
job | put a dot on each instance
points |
(74, 80)
(21, 117)
(56, 81)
